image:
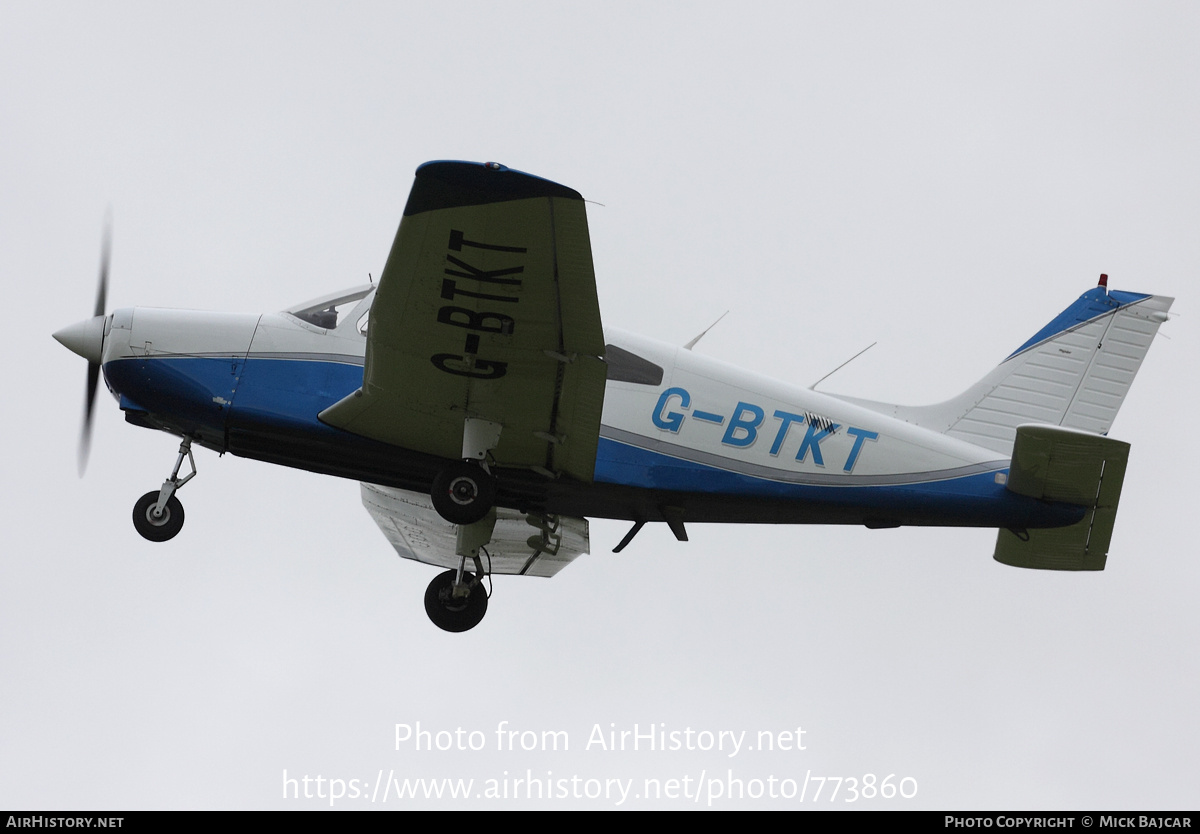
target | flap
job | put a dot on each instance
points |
(524, 544)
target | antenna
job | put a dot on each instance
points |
(813, 387)
(692, 343)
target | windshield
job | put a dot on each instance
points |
(330, 311)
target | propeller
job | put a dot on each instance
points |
(93, 371)
(86, 338)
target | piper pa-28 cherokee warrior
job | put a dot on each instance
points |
(487, 413)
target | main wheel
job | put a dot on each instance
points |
(450, 613)
(157, 528)
(463, 493)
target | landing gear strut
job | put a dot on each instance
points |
(158, 516)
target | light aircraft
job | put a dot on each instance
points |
(487, 413)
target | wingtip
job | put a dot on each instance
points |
(451, 184)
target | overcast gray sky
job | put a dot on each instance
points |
(942, 178)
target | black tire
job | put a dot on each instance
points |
(455, 614)
(160, 529)
(463, 493)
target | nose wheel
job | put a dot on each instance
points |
(157, 526)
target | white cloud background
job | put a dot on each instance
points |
(942, 178)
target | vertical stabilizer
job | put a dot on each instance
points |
(1074, 372)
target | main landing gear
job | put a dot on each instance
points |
(463, 492)
(158, 516)
(456, 600)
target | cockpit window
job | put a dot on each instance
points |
(624, 366)
(330, 311)
(326, 318)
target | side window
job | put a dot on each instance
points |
(624, 366)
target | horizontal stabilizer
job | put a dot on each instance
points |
(1073, 467)
(521, 543)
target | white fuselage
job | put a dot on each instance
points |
(678, 428)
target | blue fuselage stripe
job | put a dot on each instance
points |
(625, 464)
(210, 395)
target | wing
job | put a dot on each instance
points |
(487, 310)
(521, 543)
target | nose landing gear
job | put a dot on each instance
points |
(158, 516)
